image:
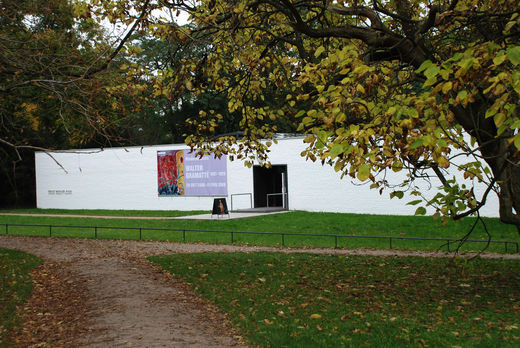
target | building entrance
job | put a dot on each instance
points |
(270, 186)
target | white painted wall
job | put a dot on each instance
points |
(314, 187)
(118, 178)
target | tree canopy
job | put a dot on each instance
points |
(377, 86)
(54, 87)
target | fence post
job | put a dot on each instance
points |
(505, 246)
(50, 230)
(232, 240)
(449, 246)
(140, 233)
(390, 239)
(335, 242)
(283, 239)
(184, 235)
(6, 229)
(95, 232)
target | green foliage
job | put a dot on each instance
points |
(15, 287)
(50, 94)
(377, 86)
(47, 97)
(299, 300)
(175, 99)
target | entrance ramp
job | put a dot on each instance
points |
(260, 210)
(240, 214)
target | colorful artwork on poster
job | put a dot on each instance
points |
(182, 173)
(170, 173)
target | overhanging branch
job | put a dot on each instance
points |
(123, 41)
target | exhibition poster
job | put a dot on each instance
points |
(180, 173)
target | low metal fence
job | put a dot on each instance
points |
(96, 230)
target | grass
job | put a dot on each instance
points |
(292, 222)
(15, 287)
(300, 300)
(296, 300)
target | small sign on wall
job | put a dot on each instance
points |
(59, 192)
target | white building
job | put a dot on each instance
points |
(130, 179)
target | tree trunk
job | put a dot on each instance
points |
(501, 156)
(509, 194)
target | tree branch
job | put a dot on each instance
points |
(479, 205)
(428, 22)
(375, 21)
(123, 41)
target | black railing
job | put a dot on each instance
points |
(96, 230)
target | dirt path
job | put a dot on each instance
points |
(121, 300)
(103, 293)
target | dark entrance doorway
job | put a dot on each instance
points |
(270, 186)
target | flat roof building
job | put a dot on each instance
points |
(169, 177)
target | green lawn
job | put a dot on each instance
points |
(292, 222)
(15, 287)
(299, 300)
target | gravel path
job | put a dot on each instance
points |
(103, 293)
